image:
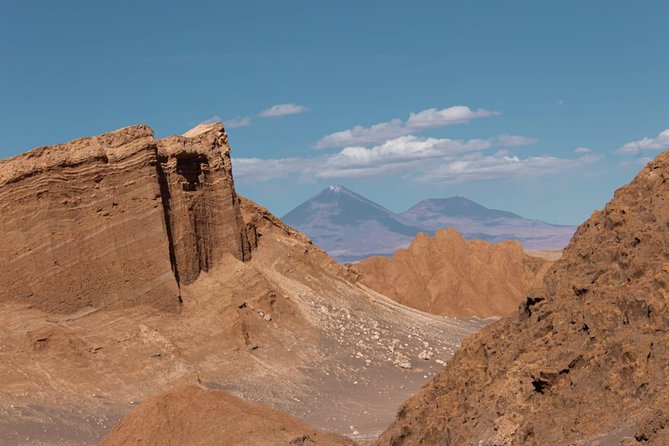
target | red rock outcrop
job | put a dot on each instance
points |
(582, 362)
(451, 276)
(118, 219)
(193, 416)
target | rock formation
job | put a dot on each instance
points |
(129, 266)
(119, 219)
(584, 361)
(193, 416)
(451, 276)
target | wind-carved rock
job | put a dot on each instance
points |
(119, 219)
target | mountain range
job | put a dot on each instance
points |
(351, 227)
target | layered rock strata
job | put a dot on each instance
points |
(117, 220)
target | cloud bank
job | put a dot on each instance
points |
(395, 128)
(661, 142)
(439, 160)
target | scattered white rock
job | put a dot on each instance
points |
(440, 362)
(393, 345)
(267, 317)
(402, 361)
(405, 364)
(425, 355)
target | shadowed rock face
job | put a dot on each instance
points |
(584, 360)
(451, 276)
(119, 219)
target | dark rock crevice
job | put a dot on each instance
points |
(165, 200)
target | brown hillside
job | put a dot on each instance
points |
(451, 276)
(582, 362)
(193, 416)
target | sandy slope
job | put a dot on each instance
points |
(193, 416)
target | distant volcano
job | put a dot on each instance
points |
(351, 227)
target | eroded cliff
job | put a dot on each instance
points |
(583, 361)
(116, 220)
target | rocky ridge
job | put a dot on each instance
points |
(451, 276)
(584, 360)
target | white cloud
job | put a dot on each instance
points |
(421, 159)
(499, 166)
(582, 150)
(259, 169)
(514, 140)
(635, 162)
(659, 143)
(237, 121)
(380, 132)
(211, 120)
(394, 128)
(405, 148)
(458, 114)
(282, 110)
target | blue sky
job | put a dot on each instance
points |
(488, 100)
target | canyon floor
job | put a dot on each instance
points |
(69, 379)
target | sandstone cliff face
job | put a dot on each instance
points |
(451, 276)
(585, 360)
(118, 219)
(193, 416)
